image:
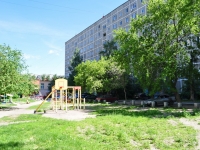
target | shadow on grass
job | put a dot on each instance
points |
(11, 145)
(5, 108)
(133, 111)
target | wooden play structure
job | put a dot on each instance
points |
(63, 96)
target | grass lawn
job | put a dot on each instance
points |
(23, 100)
(115, 127)
(18, 100)
(45, 106)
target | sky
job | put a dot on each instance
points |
(40, 28)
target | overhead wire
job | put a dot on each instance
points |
(46, 8)
(59, 5)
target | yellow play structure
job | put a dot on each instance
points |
(60, 96)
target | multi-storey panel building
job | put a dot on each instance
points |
(90, 41)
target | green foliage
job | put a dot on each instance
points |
(109, 48)
(11, 67)
(102, 75)
(76, 60)
(13, 78)
(153, 48)
(26, 85)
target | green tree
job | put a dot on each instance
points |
(101, 76)
(190, 71)
(48, 78)
(26, 85)
(43, 77)
(90, 74)
(11, 67)
(154, 44)
(108, 49)
(76, 60)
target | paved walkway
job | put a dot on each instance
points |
(19, 109)
(60, 114)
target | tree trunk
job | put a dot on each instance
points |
(125, 93)
(177, 96)
(192, 91)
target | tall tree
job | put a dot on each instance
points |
(190, 71)
(154, 43)
(11, 67)
(26, 85)
(76, 60)
(101, 76)
(108, 48)
(43, 77)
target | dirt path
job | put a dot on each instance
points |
(61, 114)
(19, 109)
(195, 125)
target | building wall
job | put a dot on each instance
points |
(90, 41)
(43, 87)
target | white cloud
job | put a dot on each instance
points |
(27, 56)
(53, 49)
(53, 52)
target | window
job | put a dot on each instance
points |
(120, 23)
(109, 29)
(133, 6)
(114, 26)
(108, 21)
(42, 86)
(126, 10)
(127, 19)
(104, 34)
(141, 1)
(91, 38)
(142, 10)
(120, 14)
(114, 17)
(91, 31)
(134, 15)
(104, 27)
(49, 84)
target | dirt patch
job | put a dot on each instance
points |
(195, 125)
(17, 122)
(60, 114)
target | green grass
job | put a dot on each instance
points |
(6, 105)
(116, 127)
(23, 100)
(46, 105)
(19, 100)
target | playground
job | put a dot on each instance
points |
(61, 106)
(19, 109)
(68, 123)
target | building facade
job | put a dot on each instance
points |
(90, 41)
(43, 86)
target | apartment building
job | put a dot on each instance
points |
(90, 41)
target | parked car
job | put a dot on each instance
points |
(108, 98)
(83, 95)
(141, 96)
(160, 99)
(90, 97)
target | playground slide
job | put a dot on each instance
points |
(43, 102)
